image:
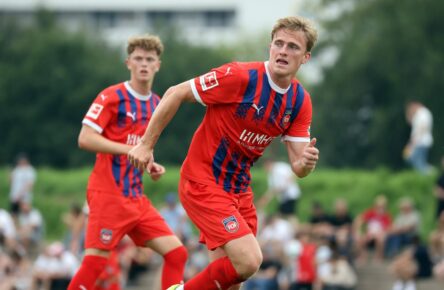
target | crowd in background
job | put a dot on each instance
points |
(322, 253)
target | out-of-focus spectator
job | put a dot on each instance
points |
(30, 226)
(438, 270)
(305, 267)
(54, 268)
(197, 260)
(439, 191)
(417, 149)
(176, 217)
(266, 278)
(375, 222)
(75, 221)
(404, 227)
(342, 225)
(22, 179)
(337, 274)
(412, 264)
(282, 185)
(8, 233)
(15, 270)
(437, 240)
(319, 220)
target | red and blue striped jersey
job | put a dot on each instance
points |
(120, 114)
(245, 112)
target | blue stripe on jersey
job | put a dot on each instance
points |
(290, 98)
(299, 100)
(156, 100)
(219, 158)
(250, 91)
(116, 169)
(152, 107)
(144, 107)
(133, 106)
(242, 177)
(231, 168)
(126, 182)
(265, 97)
(275, 109)
(121, 114)
(136, 190)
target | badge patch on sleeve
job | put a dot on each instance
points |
(94, 111)
(106, 236)
(208, 81)
(231, 225)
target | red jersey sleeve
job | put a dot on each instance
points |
(99, 113)
(220, 86)
(299, 130)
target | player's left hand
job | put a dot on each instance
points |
(157, 171)
(310, 156)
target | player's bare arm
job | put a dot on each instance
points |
(303, 156)
(141, 156)
(91, 140)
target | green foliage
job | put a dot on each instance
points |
(56, 190)
(390, 52)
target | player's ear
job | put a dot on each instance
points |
(307, 57)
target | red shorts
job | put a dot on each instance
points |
(220, 216)
(111, 216)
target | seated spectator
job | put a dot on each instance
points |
(405, 226)
(75, 221)
(438, 270)
(176, 217)
(305, 262)
(412, 264)
(341, 222)
(437, 240)
(266, 278)
(375, 222)
(54, 268)
(337, 274)
(8, 234)
(319, 220)
(30, 226)
(15, 270)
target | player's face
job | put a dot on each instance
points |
(143, 64)
(288, 50)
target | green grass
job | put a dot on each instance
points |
(56, 190)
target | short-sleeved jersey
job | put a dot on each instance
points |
(245, 112)
(120, 114)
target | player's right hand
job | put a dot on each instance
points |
(141, 157)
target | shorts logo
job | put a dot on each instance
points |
(231, 225)
(94, 111)
(208, 81)
(106, 236)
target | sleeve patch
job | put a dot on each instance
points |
(208, 81)
(94, 111)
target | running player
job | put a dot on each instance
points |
(112, 126)
(248, 105)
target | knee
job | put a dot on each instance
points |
(248, 264)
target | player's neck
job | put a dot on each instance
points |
(143, 88)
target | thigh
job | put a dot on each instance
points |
(150, 226)
(111, 216)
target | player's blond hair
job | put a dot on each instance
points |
(146, 42)
(297, 23)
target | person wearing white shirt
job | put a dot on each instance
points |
(22, 179)
(421, 139)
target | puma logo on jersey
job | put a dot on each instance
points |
(103, 97)
(228, 71)
(131, 115)
(81, 287)
(258, 110)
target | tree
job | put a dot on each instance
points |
(390, 52)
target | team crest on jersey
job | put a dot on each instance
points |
(286, 118)
(231, 225)
(106, 236)
(94, 111)
(208, 81)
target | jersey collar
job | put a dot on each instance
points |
(272, 84)
(136, 94)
